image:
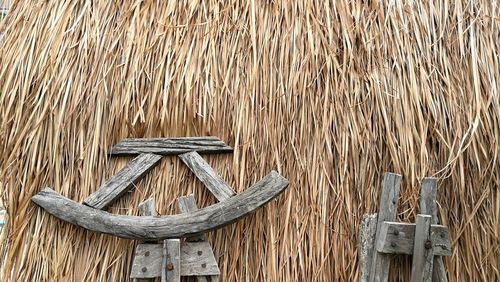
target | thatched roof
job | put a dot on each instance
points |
(331, 94)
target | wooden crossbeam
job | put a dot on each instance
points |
(167, 226)
(170, 146)
(205, 173)
(122, 181)
(379, 266)
(398, 238)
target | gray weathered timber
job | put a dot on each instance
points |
(163, 227)
(142, 257)
(147, 261)
(171, 264)
(188, 204)
(197, 259)
(380, 264)
(205, 173)
(170, 146)
(148, 208)
(428, 206)
(123, 181)
(367, 232)
(398, 238)
(423, 256)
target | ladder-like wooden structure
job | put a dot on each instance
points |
(425, 240)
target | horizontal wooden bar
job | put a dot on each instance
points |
(398, 238)
(122, 181)
(170, 146)
(196, 258)
(163, 227)
(206, 174)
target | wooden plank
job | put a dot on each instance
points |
(163, 227)
(380, 264)
(170, 146)
(150, 256)
(198, 259)
(428, 206)
(398, 238)
(147, 261)
(148, 208)
(171, 265)
(123, 181)
(187, 204)
(141, 264)
(423, 256)
(219, 188)
(367, 232)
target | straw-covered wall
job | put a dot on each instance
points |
(331, 94)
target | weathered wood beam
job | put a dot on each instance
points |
(123, 181)
(205, 173)
(423, 256)
(140, 264)
(387, 212)
(195, 259)
(398, 238)
(171, 263)
(170, 146)
(366, 244)
(163, 227)
(428, 194)
(188, 204)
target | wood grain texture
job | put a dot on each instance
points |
(170, 146)
(147, 261)
(398, 238)
(150, 257)
(423, 257)
(389, 198)
(171, 263)
(367, 232)
(122, 181)
(148, 208)
(163, 227)
(188, 204)
(205, 173)
(428, 206)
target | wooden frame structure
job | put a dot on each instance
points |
(380, 236)
(171, 258)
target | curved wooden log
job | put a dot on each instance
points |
(163, 227)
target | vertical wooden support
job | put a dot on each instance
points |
(423, 255)
(428, 206)
(147, 208)
(387, 212)
(171, 265)
(366, 248)
(187, 204)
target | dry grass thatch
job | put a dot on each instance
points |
(330, 93)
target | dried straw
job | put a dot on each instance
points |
(330, 93)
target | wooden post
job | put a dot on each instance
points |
(366, 248)
(428, 206)
(171, 266)
(387, 212)
(423, 255)
(187, 204)
(147, 208)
